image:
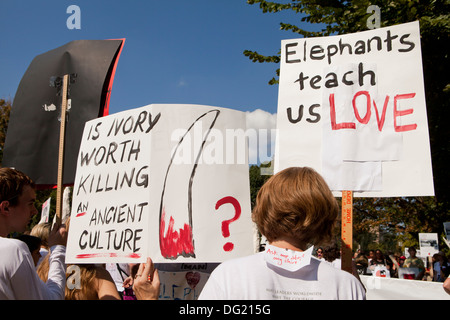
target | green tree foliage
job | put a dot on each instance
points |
(256, 180)
(401, 219)
(5, 110)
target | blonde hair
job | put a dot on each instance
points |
(296, 203)
(88, 284)
(42, 230)
(42, 269)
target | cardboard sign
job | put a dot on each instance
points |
(353, 108)
(181, 285)
(45, 213)
(32, 143)
(408, 273)
(160, 181)
(381, 271)
(390, 289)
(429, 244)
(447, 230)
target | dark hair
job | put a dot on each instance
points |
(331, 252)
(32, 242)
(12, 183)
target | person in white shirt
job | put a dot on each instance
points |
(18, 277)
(294, 209)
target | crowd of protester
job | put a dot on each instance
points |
(294, 209)
(435, 268)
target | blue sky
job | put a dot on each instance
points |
(179, 51)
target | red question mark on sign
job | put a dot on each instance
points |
(226, 224)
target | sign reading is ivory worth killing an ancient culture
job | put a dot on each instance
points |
(168, 182)
(353, 108)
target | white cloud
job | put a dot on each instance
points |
(264, 124)
(260, 119)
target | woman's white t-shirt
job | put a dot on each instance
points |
(252, 278)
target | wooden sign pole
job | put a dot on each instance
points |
(347, 231)
(62, 131)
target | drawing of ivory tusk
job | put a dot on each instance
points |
(178, 184)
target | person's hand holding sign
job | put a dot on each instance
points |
(146, 282)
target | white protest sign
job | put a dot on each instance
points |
(408, 273)
(390, 289)
(381, 271)
(353, 108)
(429, 244)
(181, 285)
(45, 213)
(183, 281)
(165, 181)
(447, 230)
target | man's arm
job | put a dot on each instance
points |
(446, 285)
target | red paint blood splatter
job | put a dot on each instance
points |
(175, 243)
(110, 255)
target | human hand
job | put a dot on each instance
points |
(446, 285)
(58, 235)
(128, 282)
(146, 282)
